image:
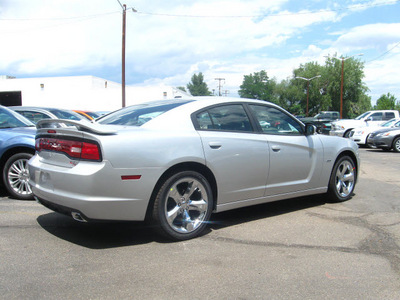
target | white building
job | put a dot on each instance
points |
(78, 92)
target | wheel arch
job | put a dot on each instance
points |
(394, 139)
(10, 152)
(352, 156)
(347, 132)
(185, 166)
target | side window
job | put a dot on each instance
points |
(34, 116)
(274, 121)
(389, 115)
(376, 116)
(225, 118)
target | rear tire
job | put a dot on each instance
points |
(183, 206)
(16, 176)
(343, 180)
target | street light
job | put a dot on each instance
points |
(308, 84)
(341, 83)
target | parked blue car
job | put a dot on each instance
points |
(17, 146)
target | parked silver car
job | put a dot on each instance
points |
(174, 162)
(35, 114)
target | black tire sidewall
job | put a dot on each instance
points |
(7, 166)
(159, 206)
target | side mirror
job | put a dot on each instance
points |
(310, 129)
(369, 119)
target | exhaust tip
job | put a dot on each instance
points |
(77, 217)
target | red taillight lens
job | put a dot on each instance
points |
(90, 151)
(74, 149)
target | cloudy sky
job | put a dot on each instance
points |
(169, 41)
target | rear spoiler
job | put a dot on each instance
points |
(80, 125)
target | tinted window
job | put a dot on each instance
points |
(138, 115)
(389, 115)
(376, 116)
(11, 119)
(226, 117)
(34, 116)
(62, 114)
(274, 121)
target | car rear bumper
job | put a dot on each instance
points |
(95, 191)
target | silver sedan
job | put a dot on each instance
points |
(174, 162)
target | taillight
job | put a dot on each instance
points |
(74, 149)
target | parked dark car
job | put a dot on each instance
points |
(322, 121)
(385, 139)
(17, 146)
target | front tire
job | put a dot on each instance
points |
(16, 176)
(396, 145)
(183, 206)
(343, 180)
(347, 133)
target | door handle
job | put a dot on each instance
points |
(214, 145)
(276, 148)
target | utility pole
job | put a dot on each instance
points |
(123, 6)
(123, 51)
(219, 85)
(343, 59)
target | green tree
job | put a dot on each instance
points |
(387, 101)
(317, 98)
(197, 86)
(289, 96)
(182, 88)
(258, 86)
(355, 99)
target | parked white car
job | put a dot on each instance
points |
(370, 118)
(360, 135)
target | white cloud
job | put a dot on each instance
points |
(168, 41)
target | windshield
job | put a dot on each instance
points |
(389, 123)
(362, 116)
(11, 119)
(140, 114)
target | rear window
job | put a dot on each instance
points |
(61, 114)
(137, 115)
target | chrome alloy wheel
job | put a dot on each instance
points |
(186, 205)
(18, 177)
(344, 179)
(396, 145)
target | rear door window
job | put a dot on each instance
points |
(231, 117)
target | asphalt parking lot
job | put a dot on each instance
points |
(296, 249)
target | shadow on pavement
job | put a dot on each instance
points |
(103, 235)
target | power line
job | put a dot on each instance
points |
(383, 54)
(63, 18)
(352, 7)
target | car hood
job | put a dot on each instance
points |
(385, 130)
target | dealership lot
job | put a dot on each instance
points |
(300, 248)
